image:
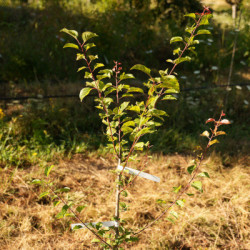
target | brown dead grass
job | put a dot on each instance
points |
(216, 219)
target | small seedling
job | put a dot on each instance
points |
(128, 120)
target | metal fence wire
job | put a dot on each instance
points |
(41, 97)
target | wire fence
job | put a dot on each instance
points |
(41, 97)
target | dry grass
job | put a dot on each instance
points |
(216, 219)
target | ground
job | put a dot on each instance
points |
(215, 219)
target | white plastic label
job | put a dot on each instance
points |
(104, 224)
(141, 174)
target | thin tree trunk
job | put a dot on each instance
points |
(117, 212)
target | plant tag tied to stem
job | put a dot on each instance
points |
(141, 174)
(104, 224)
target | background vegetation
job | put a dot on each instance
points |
(33, 63)
(37, 131)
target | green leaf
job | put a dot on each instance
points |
(169, 82)
(171, 220)
(169, 97)
(192, 15)
(134, 89)
(151, 90)
(72, 33)
(122, 205)
(43, 194)
(88, 35)
(107, 101)
(177, 189)
(88, 75)
(205, 18)
(106, 86)
(176, 39)
(64, 189)
(98, 65)
(55, 203)
(81, 68)
(190, 29)
(103, 76)
(124, 193)
(129, 123)
(95, 240)
(127, 95)
(80, 208)
(180, 203)
(91, 84)
(89, 46)
(135, 108)
(101, 85)
(63, 212)
(197, 185)
(101, 232)
(139, 146)
(71, 45)
(152, 101)
(189, 194)
(144, 131)
(77, 227)
(141, 68)
(110, 90)
(158, 113)
(213, 142)
(106, 71)
(193, 42)
(79, 56)
(174, 214)
(177, 51)
(112, 131)
(48, 169)
(92, 58)
(182, 59)
(204, 174)
(170, 61)
(126, 130)
(203, 32)
(124, 76)
(36, 181)
(160, 201)
(191, 169)
(84, 92)
(123, 106)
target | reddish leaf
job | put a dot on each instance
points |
(222, 113)
(210, 120)
(224, 122)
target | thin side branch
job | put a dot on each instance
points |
(77, 217)
(217, 124)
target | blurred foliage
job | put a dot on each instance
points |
(131, 31)
(45, 131)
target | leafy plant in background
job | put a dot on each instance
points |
(127, 121)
